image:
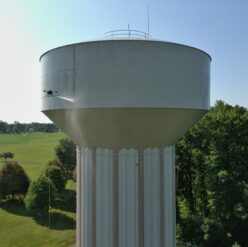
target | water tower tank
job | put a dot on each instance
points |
(125, 102)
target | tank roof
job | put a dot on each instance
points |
(126, 39)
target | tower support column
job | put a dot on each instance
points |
(126, 197)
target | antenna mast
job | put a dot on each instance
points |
(148, 21)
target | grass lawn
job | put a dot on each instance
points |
(31, 150)
(17, 227)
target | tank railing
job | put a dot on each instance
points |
(126, 33)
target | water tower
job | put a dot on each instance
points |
(125, 102)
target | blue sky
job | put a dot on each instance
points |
(31, 27)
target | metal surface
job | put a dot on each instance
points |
(104, 198)
(152, 213)
(86, 192)
(135, 205)
(80, 202)
(128, 198)
(169, 197)
(127, 33)
(126, 93)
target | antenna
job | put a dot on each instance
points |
(148, 21)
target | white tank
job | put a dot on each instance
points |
(125, 93)
(125, 102)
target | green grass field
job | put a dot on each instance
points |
(17, 227)
(32, 150)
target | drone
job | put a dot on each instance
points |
(50, 93)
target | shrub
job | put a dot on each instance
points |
(14, 181)
(40, 196)
(57, 177)
(7, 155)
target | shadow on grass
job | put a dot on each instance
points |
(66, 201)
(56, 220)
(14, 207)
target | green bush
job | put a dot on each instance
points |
(7, 155)
(57, 177)
(66, 154)
(40, 196)
(14, 181)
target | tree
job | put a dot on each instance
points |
(212, 174)
(191, 153)
(40, 196)
(3, 127)
(228, 171)
(7, 155)
(56, 163)
(66, 154)
(74, 174)
(14, 181)
(185, 174)
(191, 230)
(57, 177)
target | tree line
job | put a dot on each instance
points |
(17, 127)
